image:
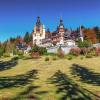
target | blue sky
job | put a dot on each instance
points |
(19, 16)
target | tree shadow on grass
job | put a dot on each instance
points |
(27, 94)
(86, 75)
(5, 65)
(19, 80)
(30, 94)
(70, 90)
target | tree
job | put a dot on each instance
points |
(2, 48)
(90, 34)
(31, 37)
(97, 32)
(96, 29)
(40, 50)
(98, 36)
(10, 46)
(85, 43)
(27, 37)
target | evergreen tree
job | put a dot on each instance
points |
(86, 43)
(2, 48)
(27, 37)
(31, 37)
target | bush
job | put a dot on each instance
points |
(93, 52)
(88, 56)
(60, 53)
(6, 54)
(20, 53)
(75, 51)
(41, 50)
(35, 55)
(85, 43)
(84, 51)
(97, 51)
(47, 59)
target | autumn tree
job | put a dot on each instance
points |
(89, 34)
(97, 32)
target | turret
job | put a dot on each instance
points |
(61, 25)
(38, 23)
(81, 34)
(39, 32)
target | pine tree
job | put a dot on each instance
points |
(27, 37)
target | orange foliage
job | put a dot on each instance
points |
(19, 40)
(91, 35)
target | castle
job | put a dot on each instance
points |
(61, 36)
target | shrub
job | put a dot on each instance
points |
(60, 53)
(41, 50)
(88, 56)
(85, 43)
(47, 59)
(20, 53)
(35, 48)
(84, 51)
(93, 52)
(6, 54)
(75, 51)
(35, 55)
(97, 51)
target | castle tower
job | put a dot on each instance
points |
(81, 34)
(61, 31)
(39, 32)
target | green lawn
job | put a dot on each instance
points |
(61, 79)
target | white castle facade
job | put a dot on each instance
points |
(60, 37)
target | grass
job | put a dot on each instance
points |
(59, 79)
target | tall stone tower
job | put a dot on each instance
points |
(61, 31)
(39, 32)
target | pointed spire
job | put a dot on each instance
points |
(38, 23)
(61, 23)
